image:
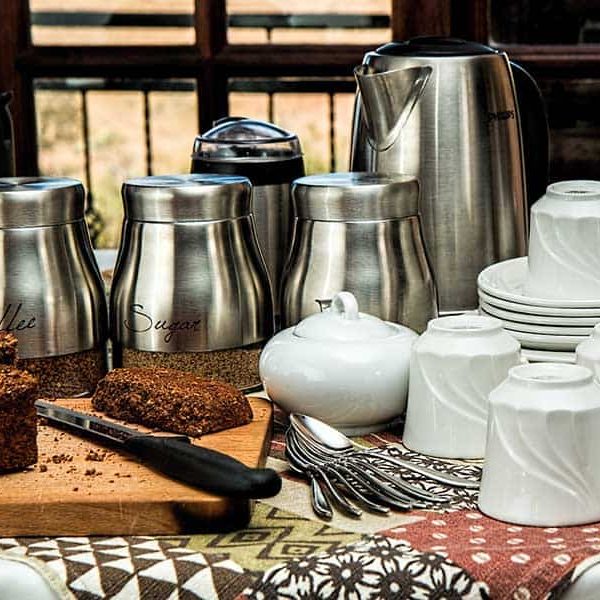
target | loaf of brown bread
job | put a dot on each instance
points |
(18, 419)
(171, 400)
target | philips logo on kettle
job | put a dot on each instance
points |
(502, 115)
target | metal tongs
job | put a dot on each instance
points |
(348, 476)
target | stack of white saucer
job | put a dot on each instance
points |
(550, 301)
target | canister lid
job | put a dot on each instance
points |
(355, 196)
(185, 198)
(246, 140)
(40, 201)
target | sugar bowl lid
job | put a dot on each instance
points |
(40, 201)
(343, 323)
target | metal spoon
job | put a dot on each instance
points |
(337, 474)
(392, 495)
(293, 452)
(336, 442)
(319, 502)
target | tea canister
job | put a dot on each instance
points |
(52, 296)
(359, 232)
(190, 289)
(271, 158)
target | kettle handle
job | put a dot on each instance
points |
(534, 132)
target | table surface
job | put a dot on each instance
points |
(287, 550)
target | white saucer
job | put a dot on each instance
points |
(522, 317)
(530, 309)
(535, 319)
(534, 341)
(506, 280)
(548, 356)
(542, 328)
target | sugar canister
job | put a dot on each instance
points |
(51, 294)
(190, 289)
(359, 232)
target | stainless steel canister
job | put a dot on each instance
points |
(271, 158)
(51, 294)
(359, 232)
(190, 289)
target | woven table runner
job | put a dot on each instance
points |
(286, 552)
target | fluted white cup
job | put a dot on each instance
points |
(564, 262)
(541, 463)
(454, 366)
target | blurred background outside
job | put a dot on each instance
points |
(105, 132)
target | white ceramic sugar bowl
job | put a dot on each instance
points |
(346, 368)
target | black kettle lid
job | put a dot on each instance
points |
(435, 46)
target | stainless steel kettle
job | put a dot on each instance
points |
(462, 118)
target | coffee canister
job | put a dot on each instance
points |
(51, 295)
(271, 158)
(190, 289)
(359, 232)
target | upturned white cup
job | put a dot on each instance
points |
(564, 262)
(454, 366)
(541, 463)
(587, 353)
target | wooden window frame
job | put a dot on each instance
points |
(212, 61)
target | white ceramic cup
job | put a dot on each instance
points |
(454, 366)
(541, 464)
(587, 354)
(564, 262)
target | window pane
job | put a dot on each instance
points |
(117, 137)
(308, 21)
(574, 127)
(545, 22)
(112, 22)
(322, 121)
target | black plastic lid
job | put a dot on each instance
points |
(434, 46)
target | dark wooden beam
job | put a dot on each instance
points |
(470, 20)
(421, 17)
(15, 39)
(211, 38)
(111, 61)
(281, 59)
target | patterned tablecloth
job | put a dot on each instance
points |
(287, 553)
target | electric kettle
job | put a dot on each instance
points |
(472, 127)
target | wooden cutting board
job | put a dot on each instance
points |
(79, 487)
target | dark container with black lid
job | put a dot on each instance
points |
(271, 158)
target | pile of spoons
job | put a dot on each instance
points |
(347, 475)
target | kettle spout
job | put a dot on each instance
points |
(388, 99)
